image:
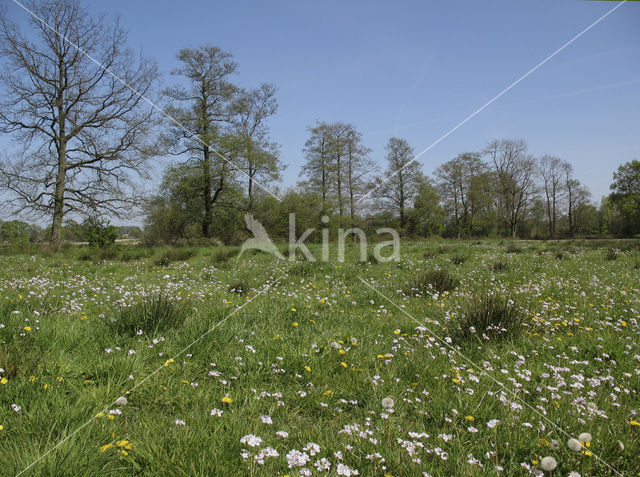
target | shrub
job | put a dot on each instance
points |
(174, 255)
(490, 315)
(155, 315)
(101, 234)
(433, 280)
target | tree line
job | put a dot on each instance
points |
(91, 122)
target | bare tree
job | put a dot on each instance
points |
(257, 154)
(513, 175)
(401, 183)
(552, 171)
(319, 166)
(83, 131)
(358, 166)
(205, 110)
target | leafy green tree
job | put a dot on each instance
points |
(427, 217)
(15, 231)
(204, 109)
(625, 196)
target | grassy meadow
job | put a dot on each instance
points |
(464, 358)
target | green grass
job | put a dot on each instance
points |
(181, 329)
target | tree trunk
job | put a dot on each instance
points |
(58, 198)
(206, 175)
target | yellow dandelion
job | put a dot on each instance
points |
(106, 447)
(226, 400)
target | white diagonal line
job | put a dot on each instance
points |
(492, 100)
(269, 285)
(477, 366)
(151, 103)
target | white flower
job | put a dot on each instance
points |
(493, 423)
(574, 474)
(548, 463)
(346, 471)
(387, 402)
(585, 437)
(322, 464)
(620, 445)
(574, 445)
(472, 430)
(180, 422)
(251, 440)
(15, 407)
(266, 419)
(216, 412)
(312, 448)
(283, 434)
(295, 458)
(121, 401)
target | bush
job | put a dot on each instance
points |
(153, 316)
(174, 255)
(433, 280)
(490, 316)
(100, 234)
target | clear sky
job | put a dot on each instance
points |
(415, 69)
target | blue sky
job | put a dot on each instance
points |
(415, 69)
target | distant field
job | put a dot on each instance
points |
(541, 343)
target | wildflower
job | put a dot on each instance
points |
(312, 448)
(322, 465)
(295, 458)
(27, 328)
(4, 381)
(226, 400)
(251, 440)
(493, 423)
(633, 423)
(216, 412)
(180, 422)
(266, 419)
(388, 403)
(106, 447)
(470, 418)
(343, 364)
(585, 437)
(16, 408)
(345, 470)
(472, 430)
(574, 444)
(574, 474)
(548, 463)
(121, 401)
(283, 434)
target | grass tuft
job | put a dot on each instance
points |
(152, 316)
